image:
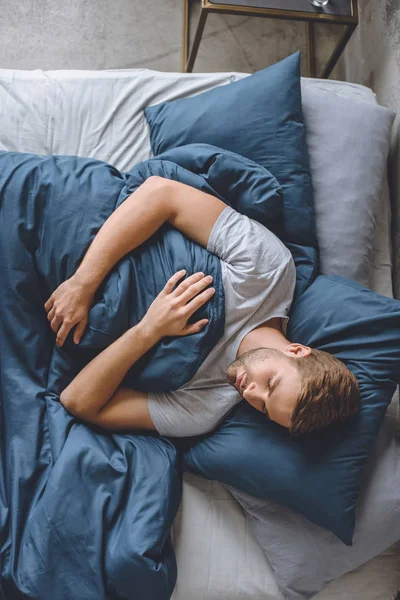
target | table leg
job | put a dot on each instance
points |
(186, 28)
(310, 49)
(340, 46)
(196, 41)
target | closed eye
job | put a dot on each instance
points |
(265, 410)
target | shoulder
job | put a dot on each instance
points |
(190, 410)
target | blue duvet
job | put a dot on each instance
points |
(85, 513)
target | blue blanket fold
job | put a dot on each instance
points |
(86, 513)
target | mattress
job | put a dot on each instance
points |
(100, 114)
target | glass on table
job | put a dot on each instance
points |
(319, 3)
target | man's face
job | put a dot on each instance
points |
(270, 384)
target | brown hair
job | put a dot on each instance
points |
(329, 392)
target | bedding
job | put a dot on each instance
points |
(218, 556)
(54, 227)
(374, 579)
(213, 538)
(174, 123)
(318, 475)
(68, 487)
(259, 117)
(348, 153)
(304, 556)
(348, 167)
(100, 114)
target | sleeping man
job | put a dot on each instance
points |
(299, 388)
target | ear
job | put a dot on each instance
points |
(297, 350)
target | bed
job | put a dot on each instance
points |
(99, 114)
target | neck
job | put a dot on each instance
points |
(266, 335)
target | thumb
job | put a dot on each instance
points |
(80, 328)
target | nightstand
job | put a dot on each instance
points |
(339, 12)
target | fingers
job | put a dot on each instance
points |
(172, 281)
(56, 322)
(63, 332)
(49, 303)
(185, 285)
(80, 328)
(63, 316)
(188, 292)
(194, 288)
(195, 327)
(182, 287)
(198, 301)
(65, 329)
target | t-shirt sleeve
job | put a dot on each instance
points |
(258, 270)
(186, 412)
(246, 245)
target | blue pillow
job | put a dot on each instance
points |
(243, 184)
(318, 475)
(259, 117)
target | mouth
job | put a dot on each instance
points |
(238, 383)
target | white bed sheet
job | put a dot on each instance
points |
(100, 114)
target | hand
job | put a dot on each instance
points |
(170, 311)
(69, 305)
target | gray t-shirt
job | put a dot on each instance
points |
(258, 276)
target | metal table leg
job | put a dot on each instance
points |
(189, 55)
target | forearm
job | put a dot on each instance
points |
(99, 379)
(134, 221)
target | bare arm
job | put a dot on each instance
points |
(94, 394)
(155, 202)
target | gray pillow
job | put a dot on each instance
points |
(306, 557)
(348, 142)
